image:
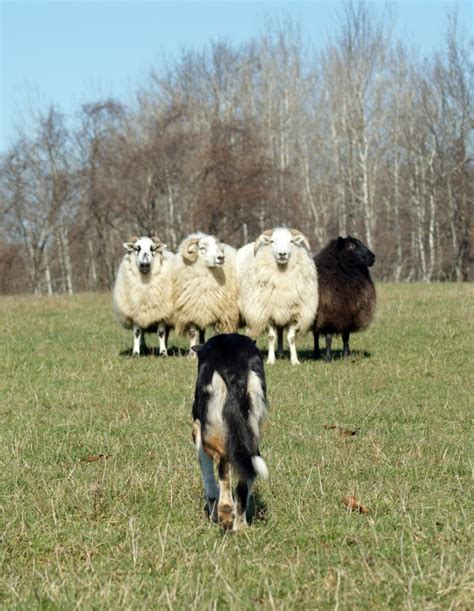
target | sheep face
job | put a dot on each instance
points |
(145, 250)
(282, 241)
(207, 248)
(353, 251)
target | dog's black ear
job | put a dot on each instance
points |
(254, 342)
(197, 347)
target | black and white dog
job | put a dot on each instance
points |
(229, 404)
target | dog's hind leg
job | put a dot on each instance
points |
(225, 508)
(243, 492)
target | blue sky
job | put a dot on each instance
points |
(71, 52)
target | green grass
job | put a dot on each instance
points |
(131, 532)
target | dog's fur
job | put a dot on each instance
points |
(229, 405)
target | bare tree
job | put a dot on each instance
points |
(37, 190)
(99, 141)
(358, 136)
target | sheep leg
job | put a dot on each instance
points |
(137, 340)
(328, 354)
(225, 508)
(193, 334)
(271, 345)
(162, 337)
(243, 492)
(202, 336)
(211, 489)
(292, 344)
(279, 352)
(345, 340)
(316, 350)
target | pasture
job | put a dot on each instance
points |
(129, 531)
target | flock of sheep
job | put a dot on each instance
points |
(268, 286)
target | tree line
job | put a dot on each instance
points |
(359, 137)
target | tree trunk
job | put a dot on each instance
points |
(92, 275)
(47, 277)
(398, 232)
(419, 222)
(432, 223)
(65, 260)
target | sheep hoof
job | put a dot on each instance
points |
(135, 355)
(295, 362)
(192, 354)
(164, 353)
(271, 361)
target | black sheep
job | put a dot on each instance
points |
(347, 297)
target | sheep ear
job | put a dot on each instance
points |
(190, 250)
(129, 246)
(158, 244)
(263, 239)
(197, 347)
(299, 239)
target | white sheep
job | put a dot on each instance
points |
(142, 294)
(278, 287)
(204, 288)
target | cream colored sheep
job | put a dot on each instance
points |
(204, 288)
(278, 287)
(142, 294)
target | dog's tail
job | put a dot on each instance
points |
(241, 443)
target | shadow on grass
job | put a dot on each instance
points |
(257, 510)
(307, 355)
(153, 351)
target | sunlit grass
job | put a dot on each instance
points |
(130, 531)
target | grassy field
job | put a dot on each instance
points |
(130, 531)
